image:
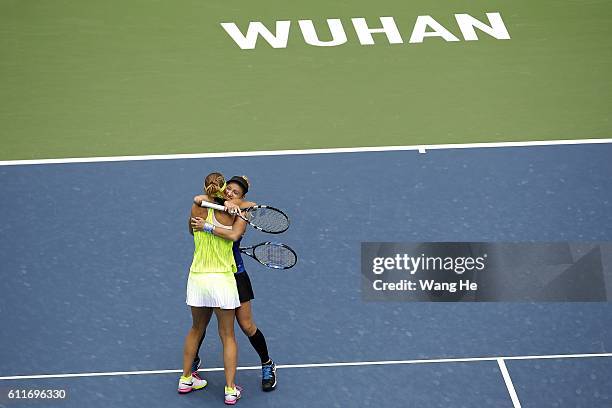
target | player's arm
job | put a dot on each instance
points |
(234, 234)
(197, 223)
(247, 204)
(197, 200)
(191, 220)
(237, 204)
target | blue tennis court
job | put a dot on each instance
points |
(95, 259)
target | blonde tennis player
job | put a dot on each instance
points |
(211, 288)
(234, 199)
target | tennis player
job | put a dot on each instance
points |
(211, 288)
(234, 195)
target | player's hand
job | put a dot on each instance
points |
(197, 223)
(198, 200)
(232, 208)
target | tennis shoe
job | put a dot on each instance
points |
(268, 376)
(191, 383)
(232, 395)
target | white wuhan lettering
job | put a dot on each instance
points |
(335, 34)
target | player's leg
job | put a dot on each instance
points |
(200, 318)
(225, 320)
(244, 315)
(196, 361)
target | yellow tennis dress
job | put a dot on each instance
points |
(211, 280)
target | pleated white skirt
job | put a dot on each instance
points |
(212, 290)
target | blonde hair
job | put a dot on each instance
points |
(213, 184)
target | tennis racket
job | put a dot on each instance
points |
(262, 217)
(272, 254)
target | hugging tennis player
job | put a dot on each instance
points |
(211, 288)
(234, 195)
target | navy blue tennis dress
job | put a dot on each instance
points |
(245, 290)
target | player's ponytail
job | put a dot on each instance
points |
(213, 184)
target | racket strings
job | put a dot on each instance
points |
(268, 219)
(275, 256)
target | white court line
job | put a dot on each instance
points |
(419, 148)
(316, 365)
(508, 381)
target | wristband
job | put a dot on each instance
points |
(208, 227)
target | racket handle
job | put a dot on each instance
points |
(212, 205)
